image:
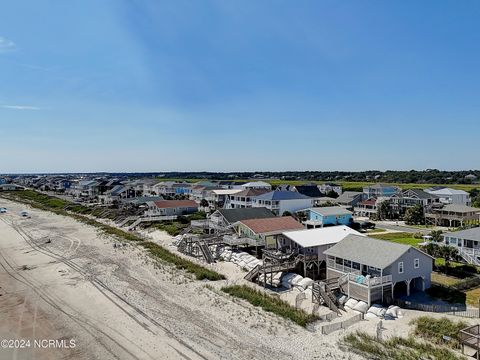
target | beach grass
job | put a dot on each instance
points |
(270, 304)
(396, 348)
(434, 330)
(79, 212)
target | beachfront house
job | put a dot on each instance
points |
(10, 187)
(375, 270)
(117, 193)
(262, 232)
(280, 202)
(311, 243)
(171, 208)
(327, 216)
(228, 217)
(85, 189)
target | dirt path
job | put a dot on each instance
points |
(61, 279)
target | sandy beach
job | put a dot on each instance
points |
(61, 279)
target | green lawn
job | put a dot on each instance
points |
(421, 226)
(376, 230)
(401, 238)
(442, 279)
(473, 296)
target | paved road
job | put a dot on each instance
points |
(389, 225)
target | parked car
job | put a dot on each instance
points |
(367, 225)
(3, 210)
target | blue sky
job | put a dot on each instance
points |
(224, 85)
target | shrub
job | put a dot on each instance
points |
(446, 293)
(183, 219)
(199, 215)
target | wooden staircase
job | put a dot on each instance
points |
(126, 220)
(186, 230)
(269, 268)
(182, 245)
(322, 293)
(190, 246)
(151, 219)
(253, 274)
(207, 254)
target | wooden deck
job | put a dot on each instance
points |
(470, 338)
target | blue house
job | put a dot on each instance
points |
(182, 188)
(328, 216)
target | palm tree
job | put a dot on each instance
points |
(383, 211)
(431, 249)
(448, 253)
(436, 235)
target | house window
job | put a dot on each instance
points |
(416, 263)
(400, 267)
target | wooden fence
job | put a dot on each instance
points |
(335, 326)
(457, 310)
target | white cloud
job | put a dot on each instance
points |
(6, 45)
(20, 107)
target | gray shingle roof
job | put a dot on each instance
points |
(460, 208)
(469, 234)
(234, 215)
(331, 210)
(282, 195)
(420, 194)
(348, 196)
(309, 190)
(369, 251)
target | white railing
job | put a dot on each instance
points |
(372, 281)
(469, 255)
(200, 223)
(313, 222)
(234, 240)
(344, 268)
